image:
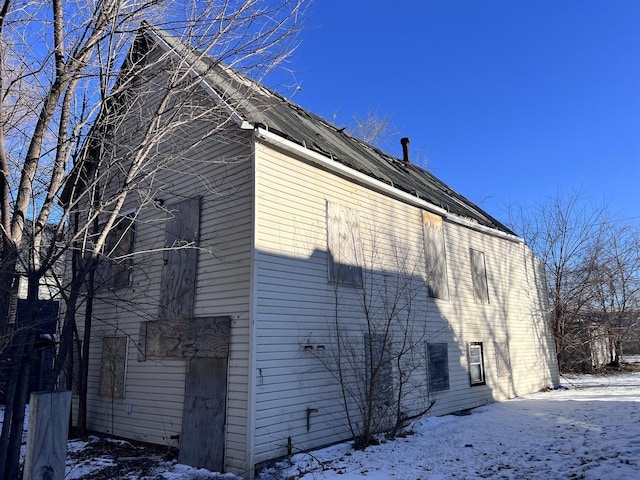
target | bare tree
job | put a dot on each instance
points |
(592, 268)
(64, 103)
(616, 300)
(378, 129)
(374, 128)
(379, 329)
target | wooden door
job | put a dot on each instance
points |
(203, 417)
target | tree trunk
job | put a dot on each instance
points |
(22, 350)
(8, 262)
(85, 267)
(83, 363)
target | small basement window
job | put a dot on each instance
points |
(476, 364)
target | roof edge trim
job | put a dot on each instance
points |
(150, 31)
(318, 158)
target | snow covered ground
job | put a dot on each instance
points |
(588, 429)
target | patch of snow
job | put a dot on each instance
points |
(631, 358)
(176, 471)
(589, 428)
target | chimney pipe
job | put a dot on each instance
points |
(405, 149)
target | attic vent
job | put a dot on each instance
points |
(405, 149)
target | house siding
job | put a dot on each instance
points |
(295, 303)
(151, 409)
(264, 261)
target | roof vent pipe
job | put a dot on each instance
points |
(405, 149)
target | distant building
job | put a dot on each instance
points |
(47, 316)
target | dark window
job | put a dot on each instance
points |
(115, 269)
(46, 315)
(438, 367)
(479, 276)
(434, 253)
(343, 245)
(378, 369)
(476, 364)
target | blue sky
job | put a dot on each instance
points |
(506, 101)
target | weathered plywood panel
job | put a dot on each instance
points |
(185, 338)
(113, 367)
(202, 438)
(479, 275)
(180, 260)
(435, 255)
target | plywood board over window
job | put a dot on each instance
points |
(479, 276)
(185, 338)
(435, 256)
(343, 245)
(503, 363)
(178, 280)
(113, 365)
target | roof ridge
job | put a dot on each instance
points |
(262, 106)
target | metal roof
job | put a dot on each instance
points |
(263, 107)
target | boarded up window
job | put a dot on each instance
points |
(503, 363)
(434, 252)
(185, 338)
(438, 366)
(476, 364)
(378, 371)
(343, 244)
(178, 282)
(115, 270)
(479, 276)
(113, 366)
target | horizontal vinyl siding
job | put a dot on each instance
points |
(295, 303)
(155, 388)
(536, 324)
(506, 319)
(295, 300)
(223, 289)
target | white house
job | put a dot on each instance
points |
(315, 251)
